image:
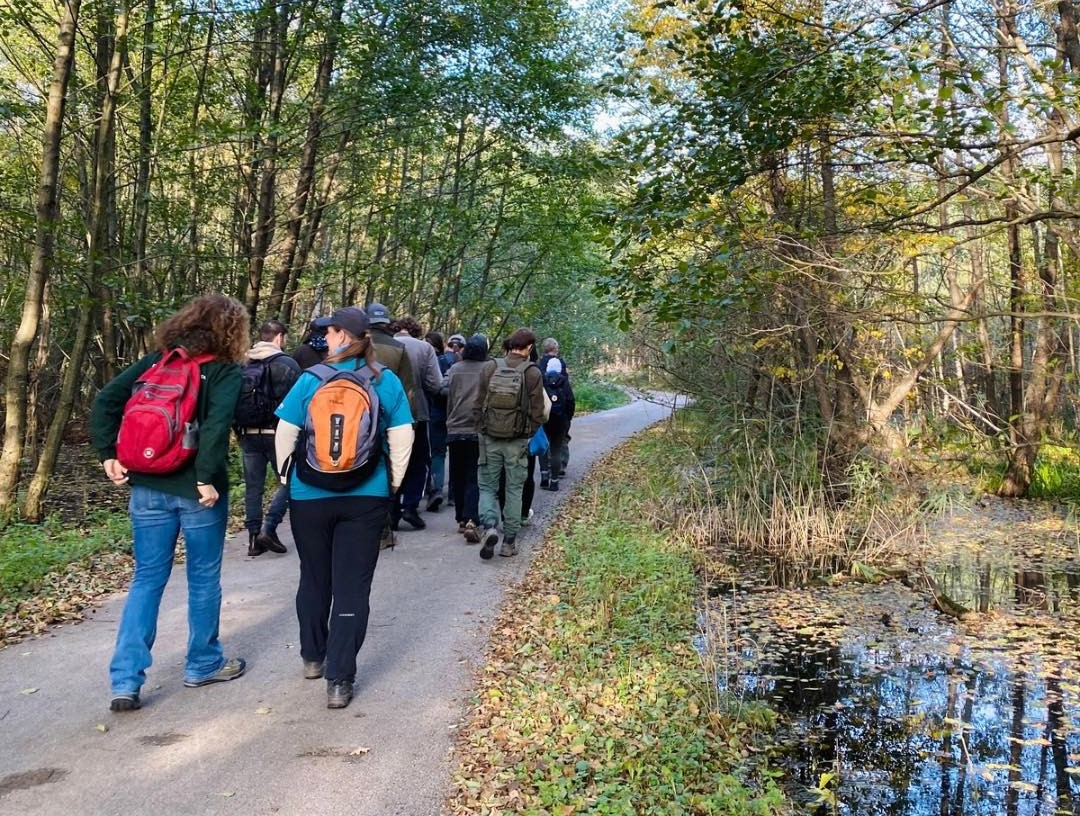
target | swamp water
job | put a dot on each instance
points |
(890, 707)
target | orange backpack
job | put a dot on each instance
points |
(339, 445)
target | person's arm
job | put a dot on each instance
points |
(284, 445)
(400, 439)
(397, 416)
(433, 378)
(405, 374)
(482, 389)
(539, 404)
(109, 404)
(214, 431)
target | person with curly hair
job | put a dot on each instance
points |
(192, 499)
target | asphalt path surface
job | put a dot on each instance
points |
(266, 743)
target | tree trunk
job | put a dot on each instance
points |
(263, 229)
(146, 138)
(47, 216)
(194, 199)
(98, 230)
(1042, 392)
(312, 230)
(305, 180)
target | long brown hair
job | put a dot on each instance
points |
(209, 324)
(361, 347)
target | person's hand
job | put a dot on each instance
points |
(115, 471)
(208, 495)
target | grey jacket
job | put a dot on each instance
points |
(463, 398)
(427, 377)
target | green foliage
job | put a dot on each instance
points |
(598, 703)
(1057, 474)
(597, 395)
(30, 552)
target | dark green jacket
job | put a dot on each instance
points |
(391, 353)
(218, 393)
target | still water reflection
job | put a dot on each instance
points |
(911, 712)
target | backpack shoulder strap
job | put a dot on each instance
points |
(525, 390)
(370, 371)
(322, 372)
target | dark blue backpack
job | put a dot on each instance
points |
(558, 390)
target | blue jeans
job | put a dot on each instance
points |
(437, 435)
(156, 520)
(258, 453)
(416, 474)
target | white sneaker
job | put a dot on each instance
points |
(527, 520)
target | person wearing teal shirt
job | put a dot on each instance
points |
(337, 533)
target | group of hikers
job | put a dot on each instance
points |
(359, 424)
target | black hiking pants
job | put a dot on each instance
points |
(338, 543)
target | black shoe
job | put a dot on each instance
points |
(544, 482)
(411, 517)
(313, 669)
(269, 540)
(552, 485)
(339, 693)
(125, 702)
(255, 547)
(434, 503)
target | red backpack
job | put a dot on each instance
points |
(158, 431)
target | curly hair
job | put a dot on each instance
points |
(410, 325)
(209, 324)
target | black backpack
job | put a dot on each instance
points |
(256, 403)
(558, 390)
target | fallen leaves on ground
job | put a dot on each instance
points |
(66, 597)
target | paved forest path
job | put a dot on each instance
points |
(266, 743)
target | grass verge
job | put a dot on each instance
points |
(596, 395)
(593, 699)
(50, 572)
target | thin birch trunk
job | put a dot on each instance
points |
(47, 218)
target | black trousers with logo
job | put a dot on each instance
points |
(338, 543)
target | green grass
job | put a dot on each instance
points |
(596, 395)
(1056, 474)
(30, 552)
(594, 699)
